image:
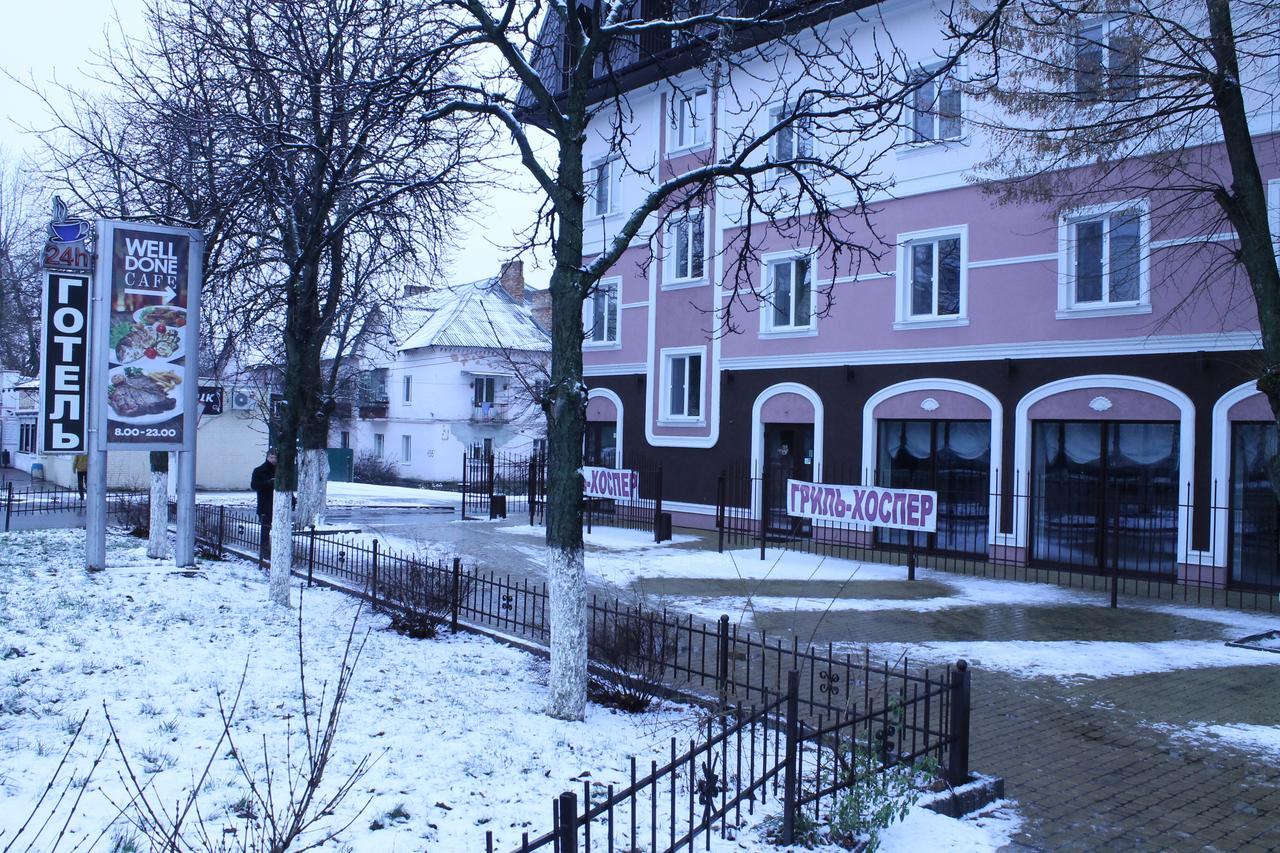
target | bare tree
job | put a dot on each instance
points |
(20, 284)
(807, 109)
(1169, 101)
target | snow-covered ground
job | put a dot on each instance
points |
(453, 726)
(1263, 740)
(354, 494)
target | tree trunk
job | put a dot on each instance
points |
(313, 483)
(566, 420)
(158, 527)
(1245, 204)
(281, 548)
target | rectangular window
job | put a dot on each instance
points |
(485, 390)
(1106, 254)
(408, 389)
(789, 293)
(935, 277)
(690, 118)
(604, 185)
(379, 444)
(27, 438)
(482, 449)
(935, 108)
(795, 140)
(540, 448)
(600, 314)
(1108, 61)
(688, 245)
(346, 440)
(684, 386)
(406, 448)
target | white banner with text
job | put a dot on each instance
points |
(617, 483)
(900, 509)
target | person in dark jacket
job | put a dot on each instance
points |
(263, 482)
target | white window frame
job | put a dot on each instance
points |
(903, 318)
(800, 135)
(1108, 26)
(936, 86)
(612, 185)
(768, 329)
(407, 389)
(605, 285)
(684, 277)
(669, 358)
(379, 445)
(486, 382)
(406, 448)
(1068, 306)
(689, 131)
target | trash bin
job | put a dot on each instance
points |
(664, 527)
(37, 470)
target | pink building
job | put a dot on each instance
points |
(1064, 379)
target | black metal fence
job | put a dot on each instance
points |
(499, 485)
(809, 705)
(21, 504)
(1125, 538)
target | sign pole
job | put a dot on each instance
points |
(95, 504)
(184, 551)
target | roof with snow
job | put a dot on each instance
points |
(478, 314)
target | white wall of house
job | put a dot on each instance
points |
(439, 417)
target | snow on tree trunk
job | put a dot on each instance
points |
(568, 603)
(281, 548)
(158, 527)
(313, 484)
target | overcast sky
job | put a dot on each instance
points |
(44, 44)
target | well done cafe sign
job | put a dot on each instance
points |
(900, 509)
(148, 357)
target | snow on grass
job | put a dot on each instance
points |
(342, 495)
(991, 828)
(455, 721)
(1076, 660)
(1264, 740)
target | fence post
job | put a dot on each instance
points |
(722, 658)
(373, 586)
(720, 511)
(464, 485)
(311, 555)
(222, 531)
(911, 556)
(568, 822)
(455, 594)
(533, 486)
(764, 508)
(657, 508)
(789, 793)
(492, 508)
(8, 506)
(958, 761)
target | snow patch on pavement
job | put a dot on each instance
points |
(1246, 736)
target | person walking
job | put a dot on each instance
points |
(81, 466)
(263, 482)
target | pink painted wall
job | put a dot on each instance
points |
(952, 405)
(1253, 408)
(1125, 406)
(786, 408)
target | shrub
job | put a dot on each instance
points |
(374, 469)
(632, 647)
(419, 596)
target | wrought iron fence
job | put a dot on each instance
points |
(20, 504)
(1130, 538)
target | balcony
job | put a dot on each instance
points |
(490, 413)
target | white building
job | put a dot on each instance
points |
(454, 377)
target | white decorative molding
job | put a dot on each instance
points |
(1100, 404)
(612, 397)
(1220, 467)
(757, 430)
(929, 404)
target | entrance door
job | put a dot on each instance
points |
(952, 458)
(788, 454)
(601, 448)
(1104, 495)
